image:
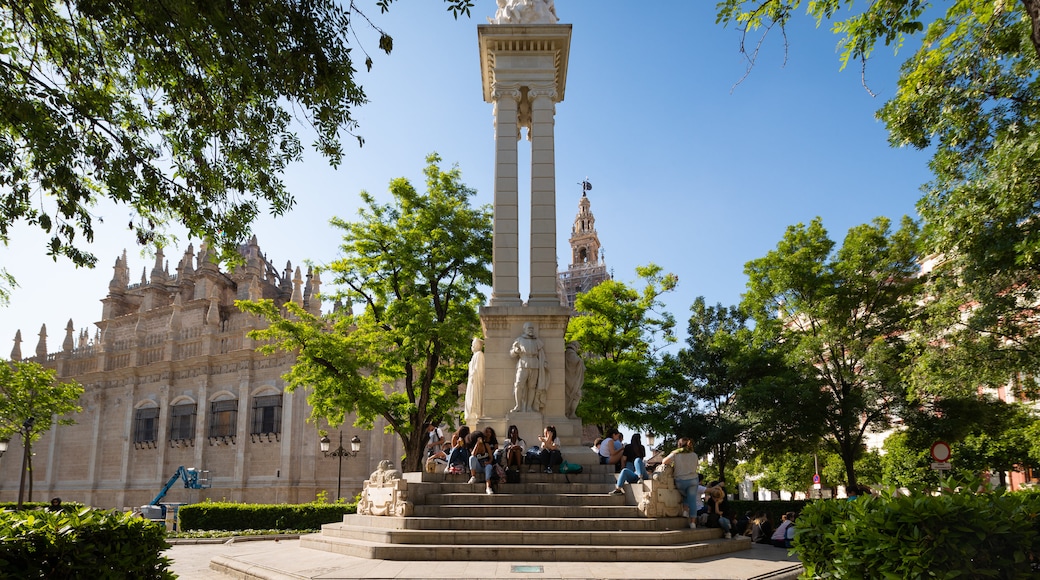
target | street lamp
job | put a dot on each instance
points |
(340, 452)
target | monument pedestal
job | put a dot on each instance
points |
(502, 325)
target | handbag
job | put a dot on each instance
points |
(498, 473)
(512, 476)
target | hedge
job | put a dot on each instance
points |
(951, 535)
(239, 516)
(88, 543)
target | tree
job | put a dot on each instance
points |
(413, 270)
(182, 110)
(841, 315)
(970, 92)
(31, 401)
(617, 328)
(720, 359)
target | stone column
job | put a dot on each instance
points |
(505, 281)
(543, 196)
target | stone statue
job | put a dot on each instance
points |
(475, 385)
(532, 371)
(574, 378)
(525, 12)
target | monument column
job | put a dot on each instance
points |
(505, 273)
(523, 62)
(543, 196)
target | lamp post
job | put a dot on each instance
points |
(340, 452)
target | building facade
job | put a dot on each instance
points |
(171, 379)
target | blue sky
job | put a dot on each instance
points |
(690, 169)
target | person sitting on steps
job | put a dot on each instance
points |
(480, 460)
(611, 450)
(636, 470)
(458, 457)
(513, 448)
(550, 454)
(684, 462)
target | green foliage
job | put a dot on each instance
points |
(839, 315)
(617, 329)
(969, 92)
(720, 360)
(30, 399)
(84, 544)
(238, 516)
(951, 535)
(413, 270)
(183, 114)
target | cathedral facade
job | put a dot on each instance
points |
(171, 380)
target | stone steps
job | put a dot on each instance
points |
(507, 524)
(570, 551)
(585, 535)
(542, 519)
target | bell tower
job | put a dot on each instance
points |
(587, 267)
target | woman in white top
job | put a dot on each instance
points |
(684, 464)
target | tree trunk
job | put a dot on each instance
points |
(1033, 10)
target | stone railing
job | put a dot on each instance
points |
(660, 498)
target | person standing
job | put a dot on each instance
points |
(684, 462)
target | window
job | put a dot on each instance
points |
(223, 420)
(182, 423)
(146, 427)
(267, 416)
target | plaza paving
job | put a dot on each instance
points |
(284, 559)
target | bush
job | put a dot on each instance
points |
(952, 535)
(85, 544)
(239, 516)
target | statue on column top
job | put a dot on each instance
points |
(525, 12)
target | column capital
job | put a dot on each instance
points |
(536, 92)
(511, 90)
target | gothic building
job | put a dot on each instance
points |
(588, 267)
(171, 379)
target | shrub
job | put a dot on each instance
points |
(951, 535)
(84, 544)
(239, 516)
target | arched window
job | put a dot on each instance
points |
(182, 422)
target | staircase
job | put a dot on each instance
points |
(544, 518)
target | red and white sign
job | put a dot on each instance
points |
(941, 451)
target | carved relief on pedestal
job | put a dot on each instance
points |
(660, 497)
(385, 493)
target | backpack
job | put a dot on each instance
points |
(568, 467)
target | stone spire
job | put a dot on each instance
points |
(313, 294)
(185, 267)
(41, 347)
(70, 342)
(120, 276)
(159, 275)
(16, 352)
(297, 290)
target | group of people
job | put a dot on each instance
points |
(481, 452)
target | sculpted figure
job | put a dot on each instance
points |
(475, 385)
(532, 370)
(525, 12)
(574, 378)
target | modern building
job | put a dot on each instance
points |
(171, 379)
